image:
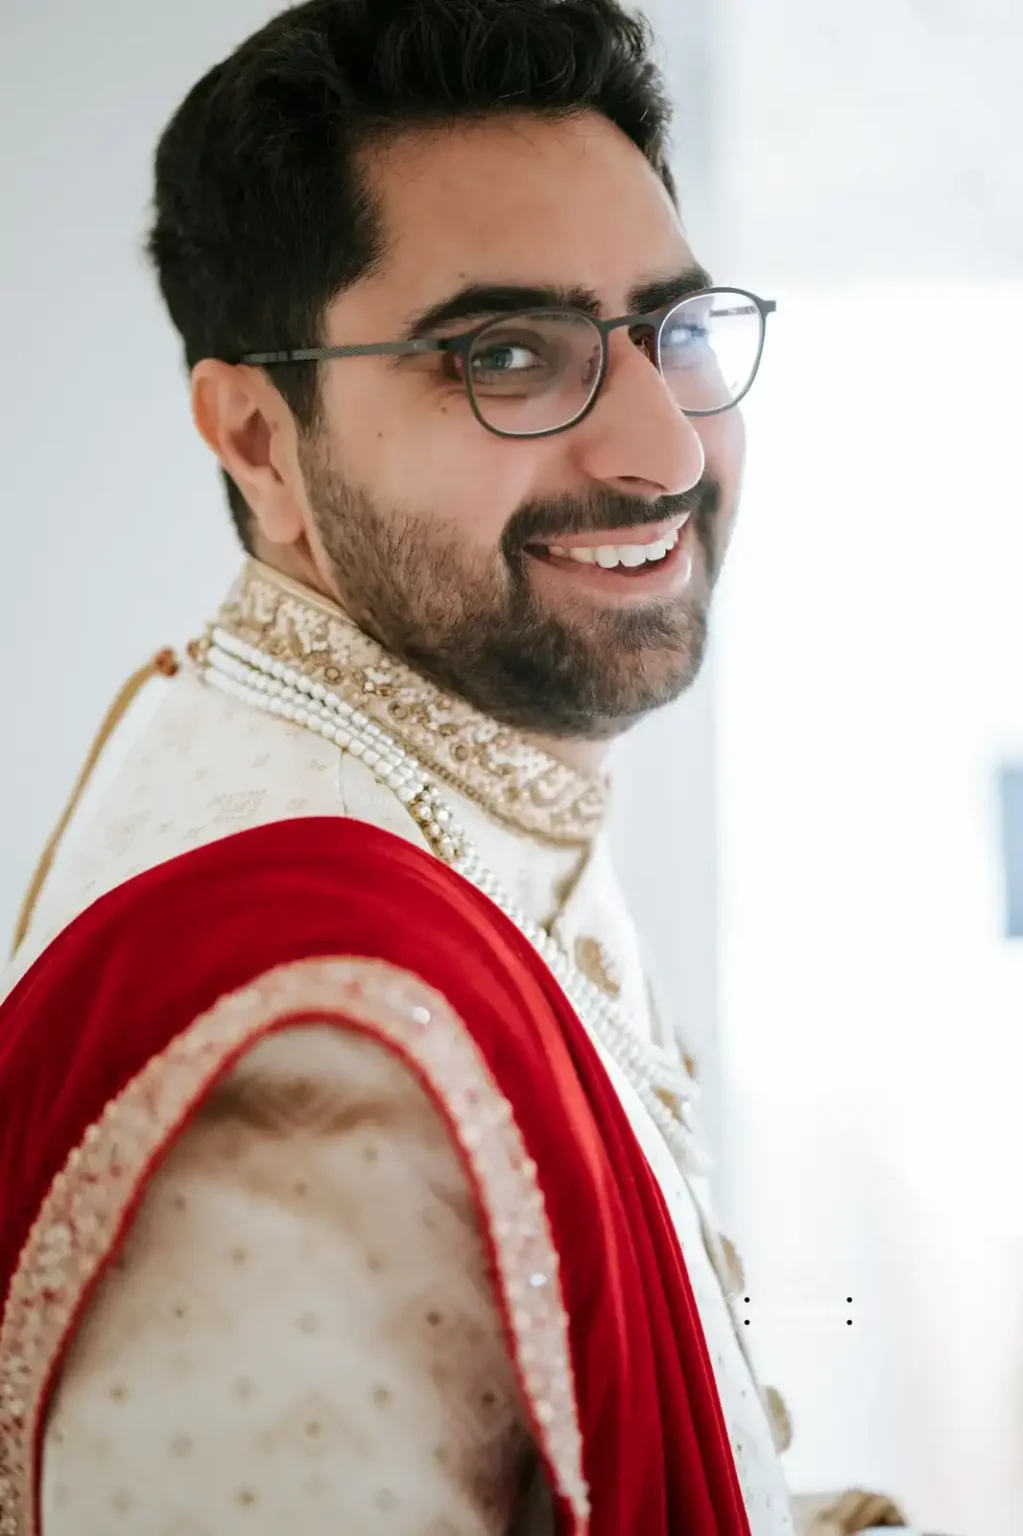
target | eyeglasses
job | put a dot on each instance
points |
(540, 371)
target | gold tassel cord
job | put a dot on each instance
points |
(164, 664)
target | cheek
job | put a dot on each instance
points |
(470, 482)
(408, 448)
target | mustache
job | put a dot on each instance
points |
(546, 522)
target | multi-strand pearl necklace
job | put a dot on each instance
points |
(241, 670)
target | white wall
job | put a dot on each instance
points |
(869, 664)
(869, 688)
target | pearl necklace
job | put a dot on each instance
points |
(246, 673)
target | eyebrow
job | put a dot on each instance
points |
(477, 301)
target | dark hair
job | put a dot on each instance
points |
(261, 214)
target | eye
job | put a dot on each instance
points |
(503, 357)
(502, 354)
(517, 357)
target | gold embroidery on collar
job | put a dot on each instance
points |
(489, 763)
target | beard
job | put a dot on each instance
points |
(479, 630)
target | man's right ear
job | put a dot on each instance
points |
(246, 423)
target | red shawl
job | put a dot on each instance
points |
(146, 999)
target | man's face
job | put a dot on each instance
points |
(435, 534)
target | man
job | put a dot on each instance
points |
(358, 1186)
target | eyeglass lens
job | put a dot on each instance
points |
(536, 372)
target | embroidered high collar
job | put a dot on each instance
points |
(492, 764)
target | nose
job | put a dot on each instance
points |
(636, 438)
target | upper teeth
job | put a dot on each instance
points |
(610, 555)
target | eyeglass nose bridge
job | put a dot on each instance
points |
(643, 331)
(643, 335)
(646, 331)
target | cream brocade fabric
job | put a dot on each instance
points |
(299, 1333)
(301, 1328)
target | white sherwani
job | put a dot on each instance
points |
(299, 1333)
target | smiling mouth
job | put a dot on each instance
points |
(627, 552)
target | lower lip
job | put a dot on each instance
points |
(657, 579)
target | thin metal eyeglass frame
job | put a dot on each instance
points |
(462, 346)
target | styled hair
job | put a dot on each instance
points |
(262, 209)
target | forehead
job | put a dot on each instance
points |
(519, 200)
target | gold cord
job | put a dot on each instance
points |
(164, 664)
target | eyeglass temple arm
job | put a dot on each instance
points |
(410, 348)
(368, 349)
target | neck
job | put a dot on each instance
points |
(297, 562)
(587, 757)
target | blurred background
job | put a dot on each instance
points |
(815, 838)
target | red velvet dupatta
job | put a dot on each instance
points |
(120, 1029)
